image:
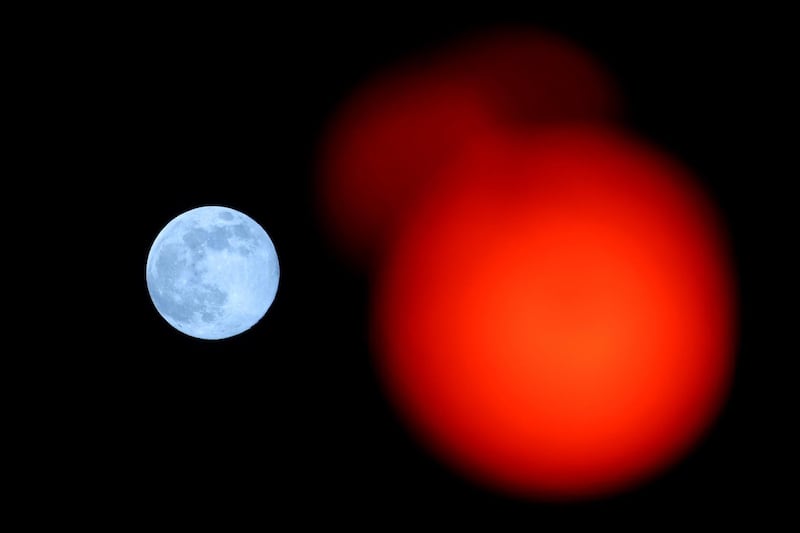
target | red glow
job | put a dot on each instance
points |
(389, 140)
(557, 319)
(533, 77)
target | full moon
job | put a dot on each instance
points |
(212, 272)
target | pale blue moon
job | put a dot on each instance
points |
(212, 272)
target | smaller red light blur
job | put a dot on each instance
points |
(530, 78)
(556, 320)
(388, 142)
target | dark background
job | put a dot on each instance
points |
(186, 108)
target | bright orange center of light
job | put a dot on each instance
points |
(558, 321)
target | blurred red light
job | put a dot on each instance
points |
(556, 319)
(530, 77)
(389, 140)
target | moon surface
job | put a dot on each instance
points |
(212, 272)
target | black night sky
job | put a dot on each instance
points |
(288, 421)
